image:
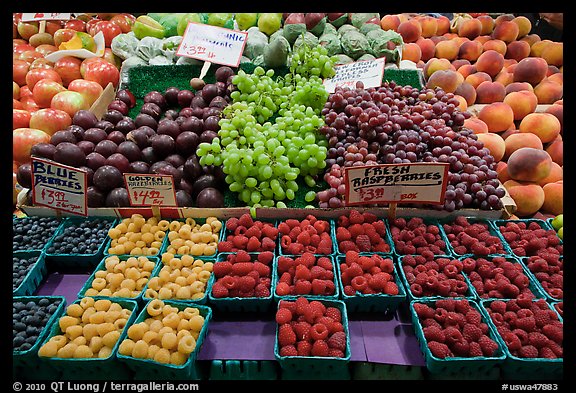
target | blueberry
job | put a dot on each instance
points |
(17, 341)
(25, 347)
(43, 302)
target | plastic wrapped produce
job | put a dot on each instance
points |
(255, 43)
(124, 45)
(331, 42)
(385, 43)
(307, 38)
(355, 44)
(149, 47)
(276, 53)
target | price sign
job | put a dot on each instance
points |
(150, 189)
(418, 182)
(58, 186)
(37, 16)
(212, 44)
(369, 72)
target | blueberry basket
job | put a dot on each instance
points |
(25, 364)
(276, 278)
(480, 367)
(542, 223)
(543, 290)
(93, 368)
(225, 233)
(469, 294)
(518, 368)
(334, 248)
(189, 220)
(373, 303)
(427, 221)
(78, 259)
(387, 238)
(46, 235)
(36, 273)
(241, 304)
(315, 367)
(102, 267)
(148, 369)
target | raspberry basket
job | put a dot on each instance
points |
(147, 369)
(544, 224)
(537, 283)
(102, 266)
(35, 275)
(518, 368)
(373, 303)
(387, 238)
(275, 278)
(77, 260)
(554, 304)
(224, 233)
(459, 367)
(26, 364)
(427, 221)
(314, 367)
(332, 224)
(92, 368)
(240, 304)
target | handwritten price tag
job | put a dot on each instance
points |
(150, 190)
(212, 44)
(58, 186)
(369, 72)
(396, 183)
(37, 16)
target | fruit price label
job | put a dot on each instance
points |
(58, 186)
(37, 16)
(212, 44)
(417, 182)
(150, 189)
(369, 72)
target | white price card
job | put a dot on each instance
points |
(369, 72)
(212, 44)
(58, 186)
(37, 16)
(150, 189)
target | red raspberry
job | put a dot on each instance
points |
(321, 226)
(246, 283)
(270, 231)
(434, 333)
(528, 351)
(424, 311)
(302, 273)
(554, 333)
(288, 350)
(325, 262)
(461, 348)
(302, 287)
(245, 220)
(356, 230)
(232, 224)
(335, 327)
(335, 353)
(302, 330)
(242, 268)
(282, 289)
(391, 288)
(262, 269)
(378, 282)
(324, 247)
(334, 313)
(318, 332)
(262, 290)
(318, 287)
(243, 256)
(229, 282)
(471, 332)
(355, 217)
(295, 249)
(303, 238)
(379, 227)
(337, 341)
(475, 350)
(253, 231)
(452, 334)
(347, 245)
(363, 243)
(320, 348)
(225, 246)
(283, 228)
(240, 241)
(318, 307)
(489, 347)
(307, 259)
(220, 269)
(416, 290)
(512, 341)
(537, 339)
(219, 290)
(439, 350)
(546, 353)
(286, 335)
(283, 315)
(359, 283)
(304, 348)
(253, 244)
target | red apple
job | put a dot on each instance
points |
(27, 29)
(22, 141)
(33, 76)
(46, 49)
(52, 26)
(110, 57)
(30, 55)
(19, 71)
(18, 41)
(108, 29)
(50, 120)
(17, 104)
(124, 21)
(25, 92)
(41, 63)
(75, 24)
(63, 35)
(68, 67)
(15, 90)
(89, 89)
(90, 24)
(20, 48)
(69, 102)
(101, 71)
(29, 104)
(44, 90)
(20, 118)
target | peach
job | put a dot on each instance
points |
(528, 197)
(524, 25)
(503, 18)
(436, 64)
(553, 198)
(390, 22)
(450, 36)
(494, 44)
(410, 30)
(447, 50)
(478, 77)
(489, 92)
(490, 62)
(548, 91)
(553, 53)
(482, 39)
(447, 80)
(463, 105)
(475, 124)
(520, 140)
(470, 50)
(518, 86)
(522, 102)
(460, 62)
(529, 164)
(537, 48)
(531, 39)
(544, 125)
(466, 91)
(506, 31)
(504, 77)
(427, 47)
(498, 116)
(517, 50)
(510, 131)
(437, 38)
(420, 64)
(429, 25)
(470, 28)
(530, 69)
(556, 151)
(552, 70)
(558, 111)
(466, 70)
(495, 143)
(412, 52)
(556, 173)
(487, 24)
(443, 25)
(502, 171)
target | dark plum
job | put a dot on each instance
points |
(203, 182)
(157, 98)
(222, 73)
(198, 112)
(210, 197)
(130, 150)
(86, 146)
(63, 136)
(117, 137)
(125, 125)
(95, 135)
(143, 119)
(95, 160)
(148, 155)
(139, 167)
(183, 199)
(209, 91)
(118, 197)
(172, 114)
(119, 161)
(127, 97)
(43, 150)
(185, 185)
(77, 131)
(106, 147)
(218, 102)
(171, 171)
(155, 167)
(151, 109)
(141, 136)
(89, 173)
(24, 175)
(163, 145)
(175, 160)
(95, 196)
(113, 116)
(120, 106)
(221, 88)
(198, 102)
(107, 177)
(192, 168)
(85, 119)
(185, 112)
(168, 127)
(105, 125)
(69, 154)
(184, 98)
(211, 111)
(171, 96)
(211, 123)
(187, 142)
(207, 136)
(197, 83)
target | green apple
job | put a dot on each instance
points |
(269, 23)
(145, 26)
(561, 233)
(558, 221)
(246, 20)
(183, 23)
(218, 18)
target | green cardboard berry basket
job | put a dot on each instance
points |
(334, 244)
(315, 367)
(201, 221)
(102, 266)
(241, 304)
(517, 368)
(202, 300)
(427, 221)
(36, 273)
(225, 233)
(276, 278)
(482, 367)
(47, 239)
(545, 293)
(148, 369)
(554, 304)
(25, 364)
(410, 295)
(387, 239)
(376, 303)
(93, 368)
(543, 224)
(533, 285)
